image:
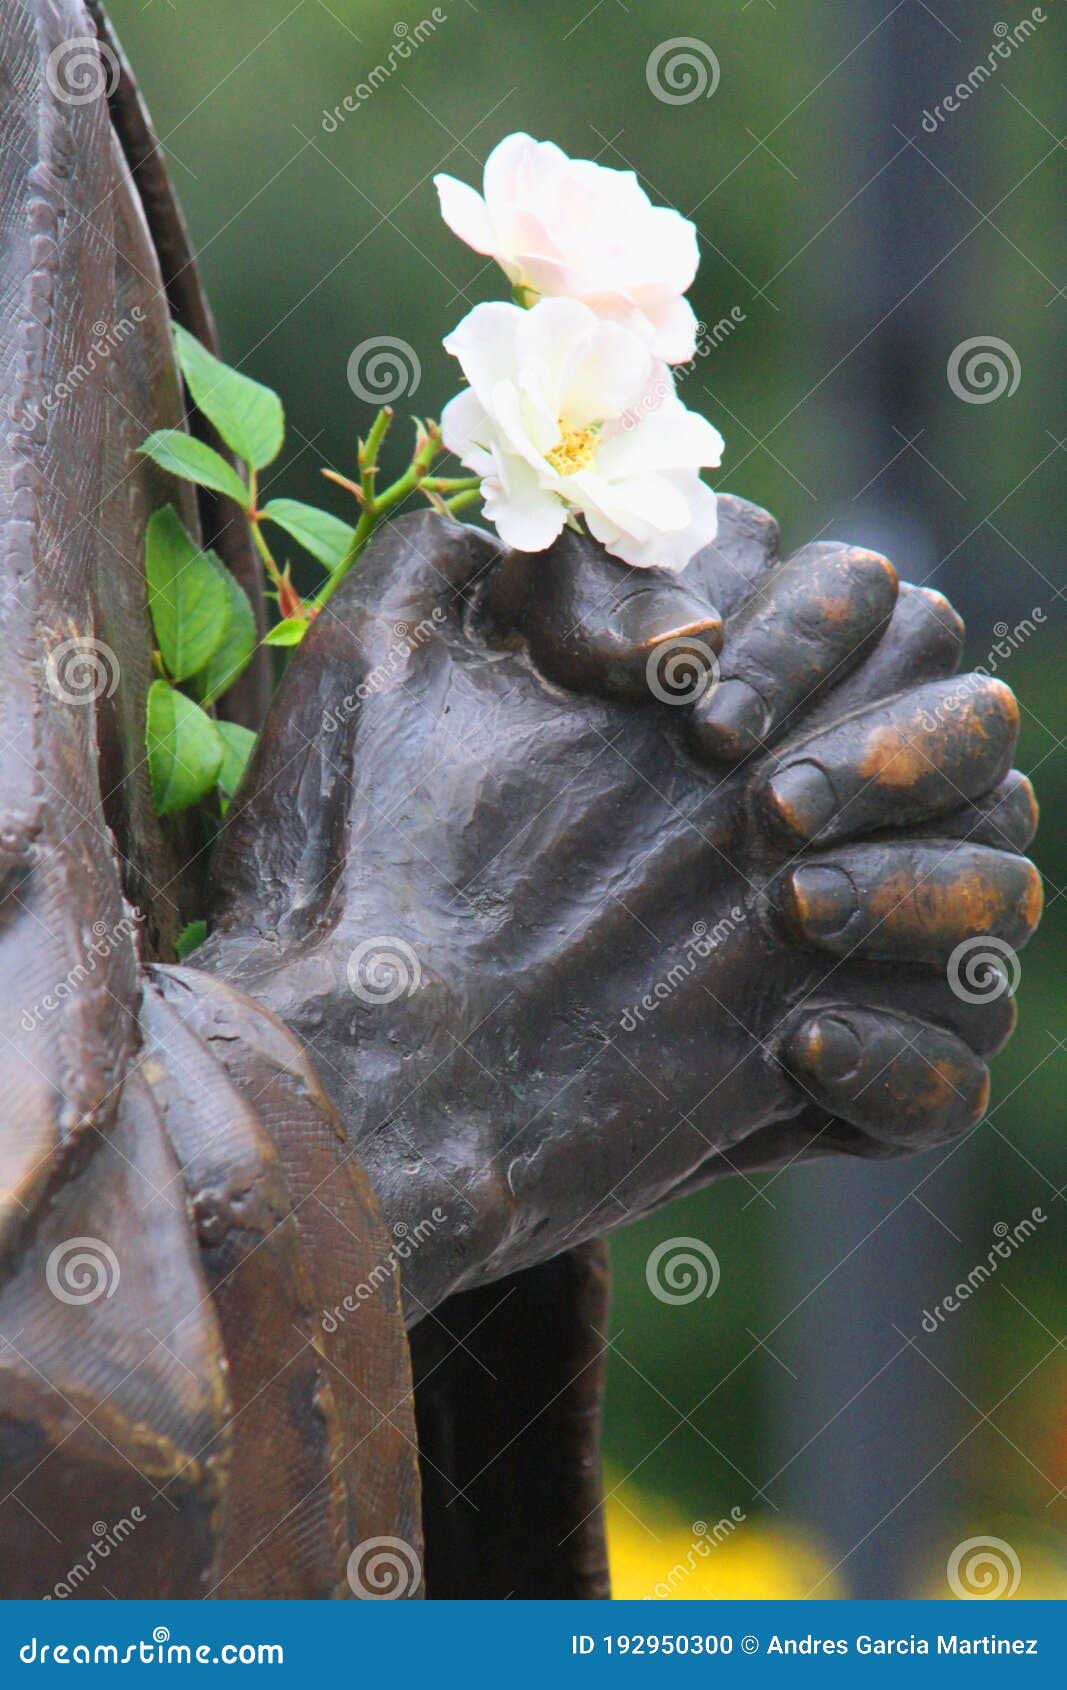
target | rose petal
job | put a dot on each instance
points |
(465, 213)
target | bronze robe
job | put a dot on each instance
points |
(183, 1410)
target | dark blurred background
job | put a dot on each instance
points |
(860, 232)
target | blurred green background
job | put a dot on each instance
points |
(861, 248)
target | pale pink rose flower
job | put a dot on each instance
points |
(570, 228)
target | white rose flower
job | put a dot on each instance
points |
(571, 228)
(566, 413)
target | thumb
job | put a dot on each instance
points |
(594, 624)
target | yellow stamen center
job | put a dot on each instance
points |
(575, 450)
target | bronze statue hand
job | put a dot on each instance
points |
(567, 927)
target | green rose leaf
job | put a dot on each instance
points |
(230, 659)
(326, 537)
(192, 934)
(174, 450)
(248, 415)
(289, 632)
(187, 595)
(184, 749)
(237, 743)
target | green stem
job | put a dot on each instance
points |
(452, 484)
(258, 538)
(264, 551)
(376, 506)
(462, 500)
(367, 455)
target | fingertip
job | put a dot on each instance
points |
(1032, 901)
(1006, 705)
(903, 1082)
(799, 800)
(656, 617)
(1020, 795)
(730, 722)
(827, 1049)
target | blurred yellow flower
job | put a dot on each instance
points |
(656, 1554)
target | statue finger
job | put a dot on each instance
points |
(911, 759)
(593, 624)
(1006, 817)
(923, 642)
(906, 1084)
(420, 566)
(973, 998)
(736, 563)
(911, 902)
(802, 632)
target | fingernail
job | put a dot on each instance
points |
(824, 899)
(649, 619)
(802, 799)
(827, 1048)
(732, 721)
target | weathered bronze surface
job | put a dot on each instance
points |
(643, 940)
